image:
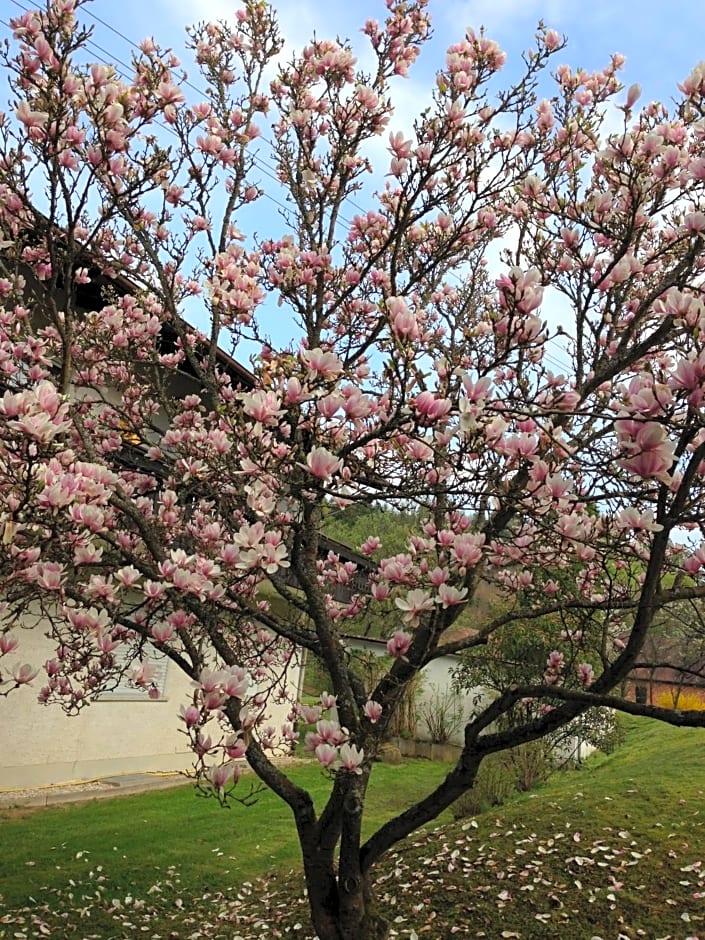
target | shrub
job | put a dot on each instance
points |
(598, 729)
(316, 676)
(531, 764)
(677, 698)
(443, 713)
(502, 775)
(494, 785)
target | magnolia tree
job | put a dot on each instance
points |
(155, 493)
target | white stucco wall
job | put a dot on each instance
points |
(40, 745)
(436, 675)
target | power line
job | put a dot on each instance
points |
(114, 60)
(262, 164)
(107, 57)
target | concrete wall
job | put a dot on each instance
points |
(40, 745)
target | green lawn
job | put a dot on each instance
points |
(613, 850)
(134, 840)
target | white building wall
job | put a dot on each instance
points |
(40, 745)
(437, 675)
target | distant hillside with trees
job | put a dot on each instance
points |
(356, 522)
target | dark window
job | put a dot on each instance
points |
(640, 695)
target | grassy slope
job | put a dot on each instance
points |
(616, 849)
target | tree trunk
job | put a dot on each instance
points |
(342, 911)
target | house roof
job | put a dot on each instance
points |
(671, 661)
(91, 296)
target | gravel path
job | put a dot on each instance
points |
(26, 795)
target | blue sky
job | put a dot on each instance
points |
(662, 41)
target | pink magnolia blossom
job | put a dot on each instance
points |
(351, 758)
(449, 596)
(586, 674)
(235, 746)
(190, 715)
(689, 376)
(128, 576)
(40, 426)
(142, 674)
(652, 451)
(329, 731)
(30, 118)
(162, 632)
(262, 406)
(404, 322)
(373, 710)
(379, 591)
(398, 645)
(430, 407)
(370, 545)
(235, 682)
(326, 365)
(322, 464)
(310, 713)
(223, 774)
(552, 39)
(248, 717)
(467, 549)
(326, 754)
(692, 565)
(23, 674)
(555, 660)
(638, 521)
(330, 405)
(48, 575)
(8, 643)
(414, 604)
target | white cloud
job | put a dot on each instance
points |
(502, 15)
(298, 21)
